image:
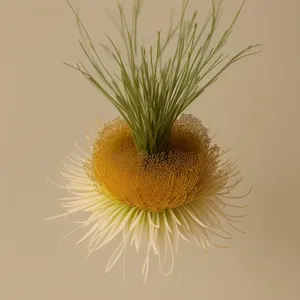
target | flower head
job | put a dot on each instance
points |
(189, 170)
(156, 200)
(154, 176)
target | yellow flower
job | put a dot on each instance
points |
(154, 177)
(152, 201)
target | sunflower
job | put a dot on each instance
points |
(153, 176)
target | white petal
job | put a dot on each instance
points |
(115, 256)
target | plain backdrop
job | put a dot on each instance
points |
(46, 107)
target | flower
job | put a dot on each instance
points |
(154, 177)
(153, 200)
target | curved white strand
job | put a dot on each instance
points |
(82, 197)
(145, 269)
(169, 246)
(115, 257)
(95, 242)
(73, 165)
(76, 171)
(56, 217)
(91, 231)
(137, 220)
(150, 220)
(161, 241)
(191, 214)
(151, 232)
(140, 232)
(182, 235)
(75, 180)
(174, 217)
(235, 228)
(80, 159)
(155, 234)
(71, 232)
(80, 188)
(56, 184)
(74, 162)
(175, 231)
(96, 239)
(164, 213)
(182, 218)
(77, 203)
(87, 155)
(126, 239)
(79, 208)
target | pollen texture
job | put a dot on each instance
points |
(188, 170)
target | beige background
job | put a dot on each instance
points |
(45, 107)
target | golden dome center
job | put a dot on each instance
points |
(186, 172)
